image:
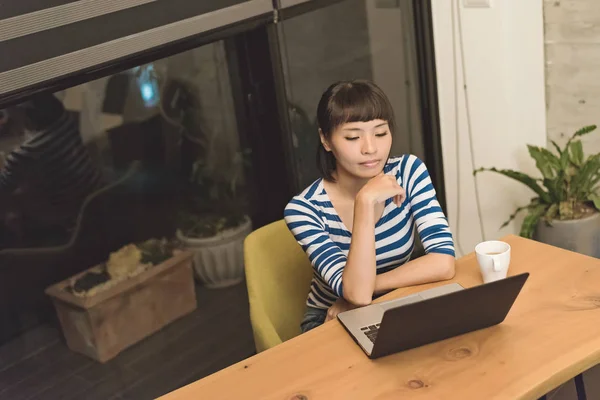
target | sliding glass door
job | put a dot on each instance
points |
(352, 39)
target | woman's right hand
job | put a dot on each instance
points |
(339, 306)
(381, 188)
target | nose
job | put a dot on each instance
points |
(368, 145)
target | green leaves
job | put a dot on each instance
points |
(520, 177)
(596, 200)
(548, 164)
(556, 188)
(558, 150)
(531, 220)
(566, 209)
(586, 178)
(513, 216)
(569, 182)
(564, 160)
(576, 153)
(551, 213)
(583, 131)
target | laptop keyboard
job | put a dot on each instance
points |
(371, 331)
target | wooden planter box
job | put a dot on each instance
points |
(103, 325)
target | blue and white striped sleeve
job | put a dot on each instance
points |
(429, 218)
(11, 173)
(327, 258)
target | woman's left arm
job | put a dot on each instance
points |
(431, 223)
(431, 267)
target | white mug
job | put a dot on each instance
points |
(493, 257)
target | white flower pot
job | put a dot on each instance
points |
(579, 235)
(219, 260)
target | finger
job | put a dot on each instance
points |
(402, 196)
(401, 190)
(330, 315)
(400, 200)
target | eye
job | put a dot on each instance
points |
(382, 134)
(352, 138)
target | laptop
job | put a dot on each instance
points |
(431, 315)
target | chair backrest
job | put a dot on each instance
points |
(26, 272)
(88, 208)
(278, 275)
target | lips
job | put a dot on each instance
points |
(370, 163)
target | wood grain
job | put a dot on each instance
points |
(551, 334)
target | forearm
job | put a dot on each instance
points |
(358, 277)
(431, 267)
(9, 175)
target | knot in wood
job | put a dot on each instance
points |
(299, 397)
(416, 384)
(460, 353)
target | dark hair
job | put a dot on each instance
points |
(41, 111)
(349, 101)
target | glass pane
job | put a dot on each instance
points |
(353, 39)
(102, 186)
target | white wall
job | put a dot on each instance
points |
(504, 62)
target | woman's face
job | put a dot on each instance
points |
(360, 148)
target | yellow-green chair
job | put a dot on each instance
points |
(278, 275)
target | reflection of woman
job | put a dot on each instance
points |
(3, 129)
(3, 120)
(357, 223)
(45, 180)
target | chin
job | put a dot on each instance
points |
(368, 174)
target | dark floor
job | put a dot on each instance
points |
(38, 365)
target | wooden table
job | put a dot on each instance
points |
(551, 334)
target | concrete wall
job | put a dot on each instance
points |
(572, 40)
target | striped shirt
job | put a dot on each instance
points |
(55, 163)
(315, 224)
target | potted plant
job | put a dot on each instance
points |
(564, 212)
(214, 220)
(141, 288)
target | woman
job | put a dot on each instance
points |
(357, 223)
(44, 180)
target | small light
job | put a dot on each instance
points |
(147, 85)
(147, 92)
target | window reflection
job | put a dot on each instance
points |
(102, 185)
(353, 39)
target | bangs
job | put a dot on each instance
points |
(357, 102)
